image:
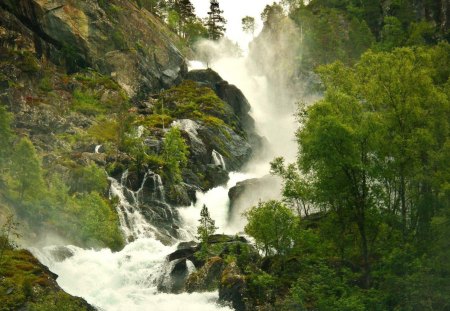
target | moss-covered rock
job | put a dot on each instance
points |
(232, 287)
(26, 284)
(207, 277)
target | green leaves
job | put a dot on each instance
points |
(272, 225)
(175, 152)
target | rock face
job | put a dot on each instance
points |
(210, 272)
(232, 287)
(29, 285)
(115, 38)
(233, 96)
(249, 192)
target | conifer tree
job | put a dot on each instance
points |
(248, 25)
(207, 225)
(216, 22)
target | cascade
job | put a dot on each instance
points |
(97, 148)
(158, 188)
(132, 222)
(140, 131)
(129, 279)
(218, 159)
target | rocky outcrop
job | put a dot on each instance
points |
(207, 278)
(231, 95)
(29, 285)
(249, 192)
(232, 287)
(212, 266)
(116, 38)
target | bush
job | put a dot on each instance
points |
(272, 225)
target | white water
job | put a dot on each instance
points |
(132, 222)
(218, 159)
(127, 280)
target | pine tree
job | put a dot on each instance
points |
(187, 16)
(248, 25)
(207, 225)
(27, 169)
(216, 22)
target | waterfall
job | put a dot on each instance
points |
(125, 280)
(132, 222)
(140, 131)
(218, 159)
(97, 148)
(129, 279)
(158, 188)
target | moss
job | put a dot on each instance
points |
(191, 101)
(87, 103)
(91, 79)
(25, 284)
(46, 84)
(28, 62)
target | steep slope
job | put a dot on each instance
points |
(113, 37)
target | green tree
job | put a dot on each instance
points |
(215, 22)
(207, 225)
(6, 137)
(26, 168)
(248, 25)
(272, 225)
(175, 152)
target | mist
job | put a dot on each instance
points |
(265, 75)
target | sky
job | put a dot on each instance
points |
(234, 11)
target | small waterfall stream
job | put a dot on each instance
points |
(218, 159)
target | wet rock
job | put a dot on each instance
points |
(186, 251)
(232, 287)
(249, 192)
(61, 253)
(231, 95)
(207, 278)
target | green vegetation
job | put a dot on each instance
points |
(191, 101)
(42, 200)
(272, 225)
(174, 154)
(370, 189)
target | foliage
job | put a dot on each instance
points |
(6, 138)
(174, 153)
(206, 227)
(272, 225)
(87, 179)
(26, 168)
(370, 167)
(248, 24)
(215, 22)
(191, 101)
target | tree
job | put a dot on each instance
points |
(207, 226)
(272, 225)
(175, 152)
(6, 137)
(248, 25)
(272, 15)
(27, 169)
(215, 22)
